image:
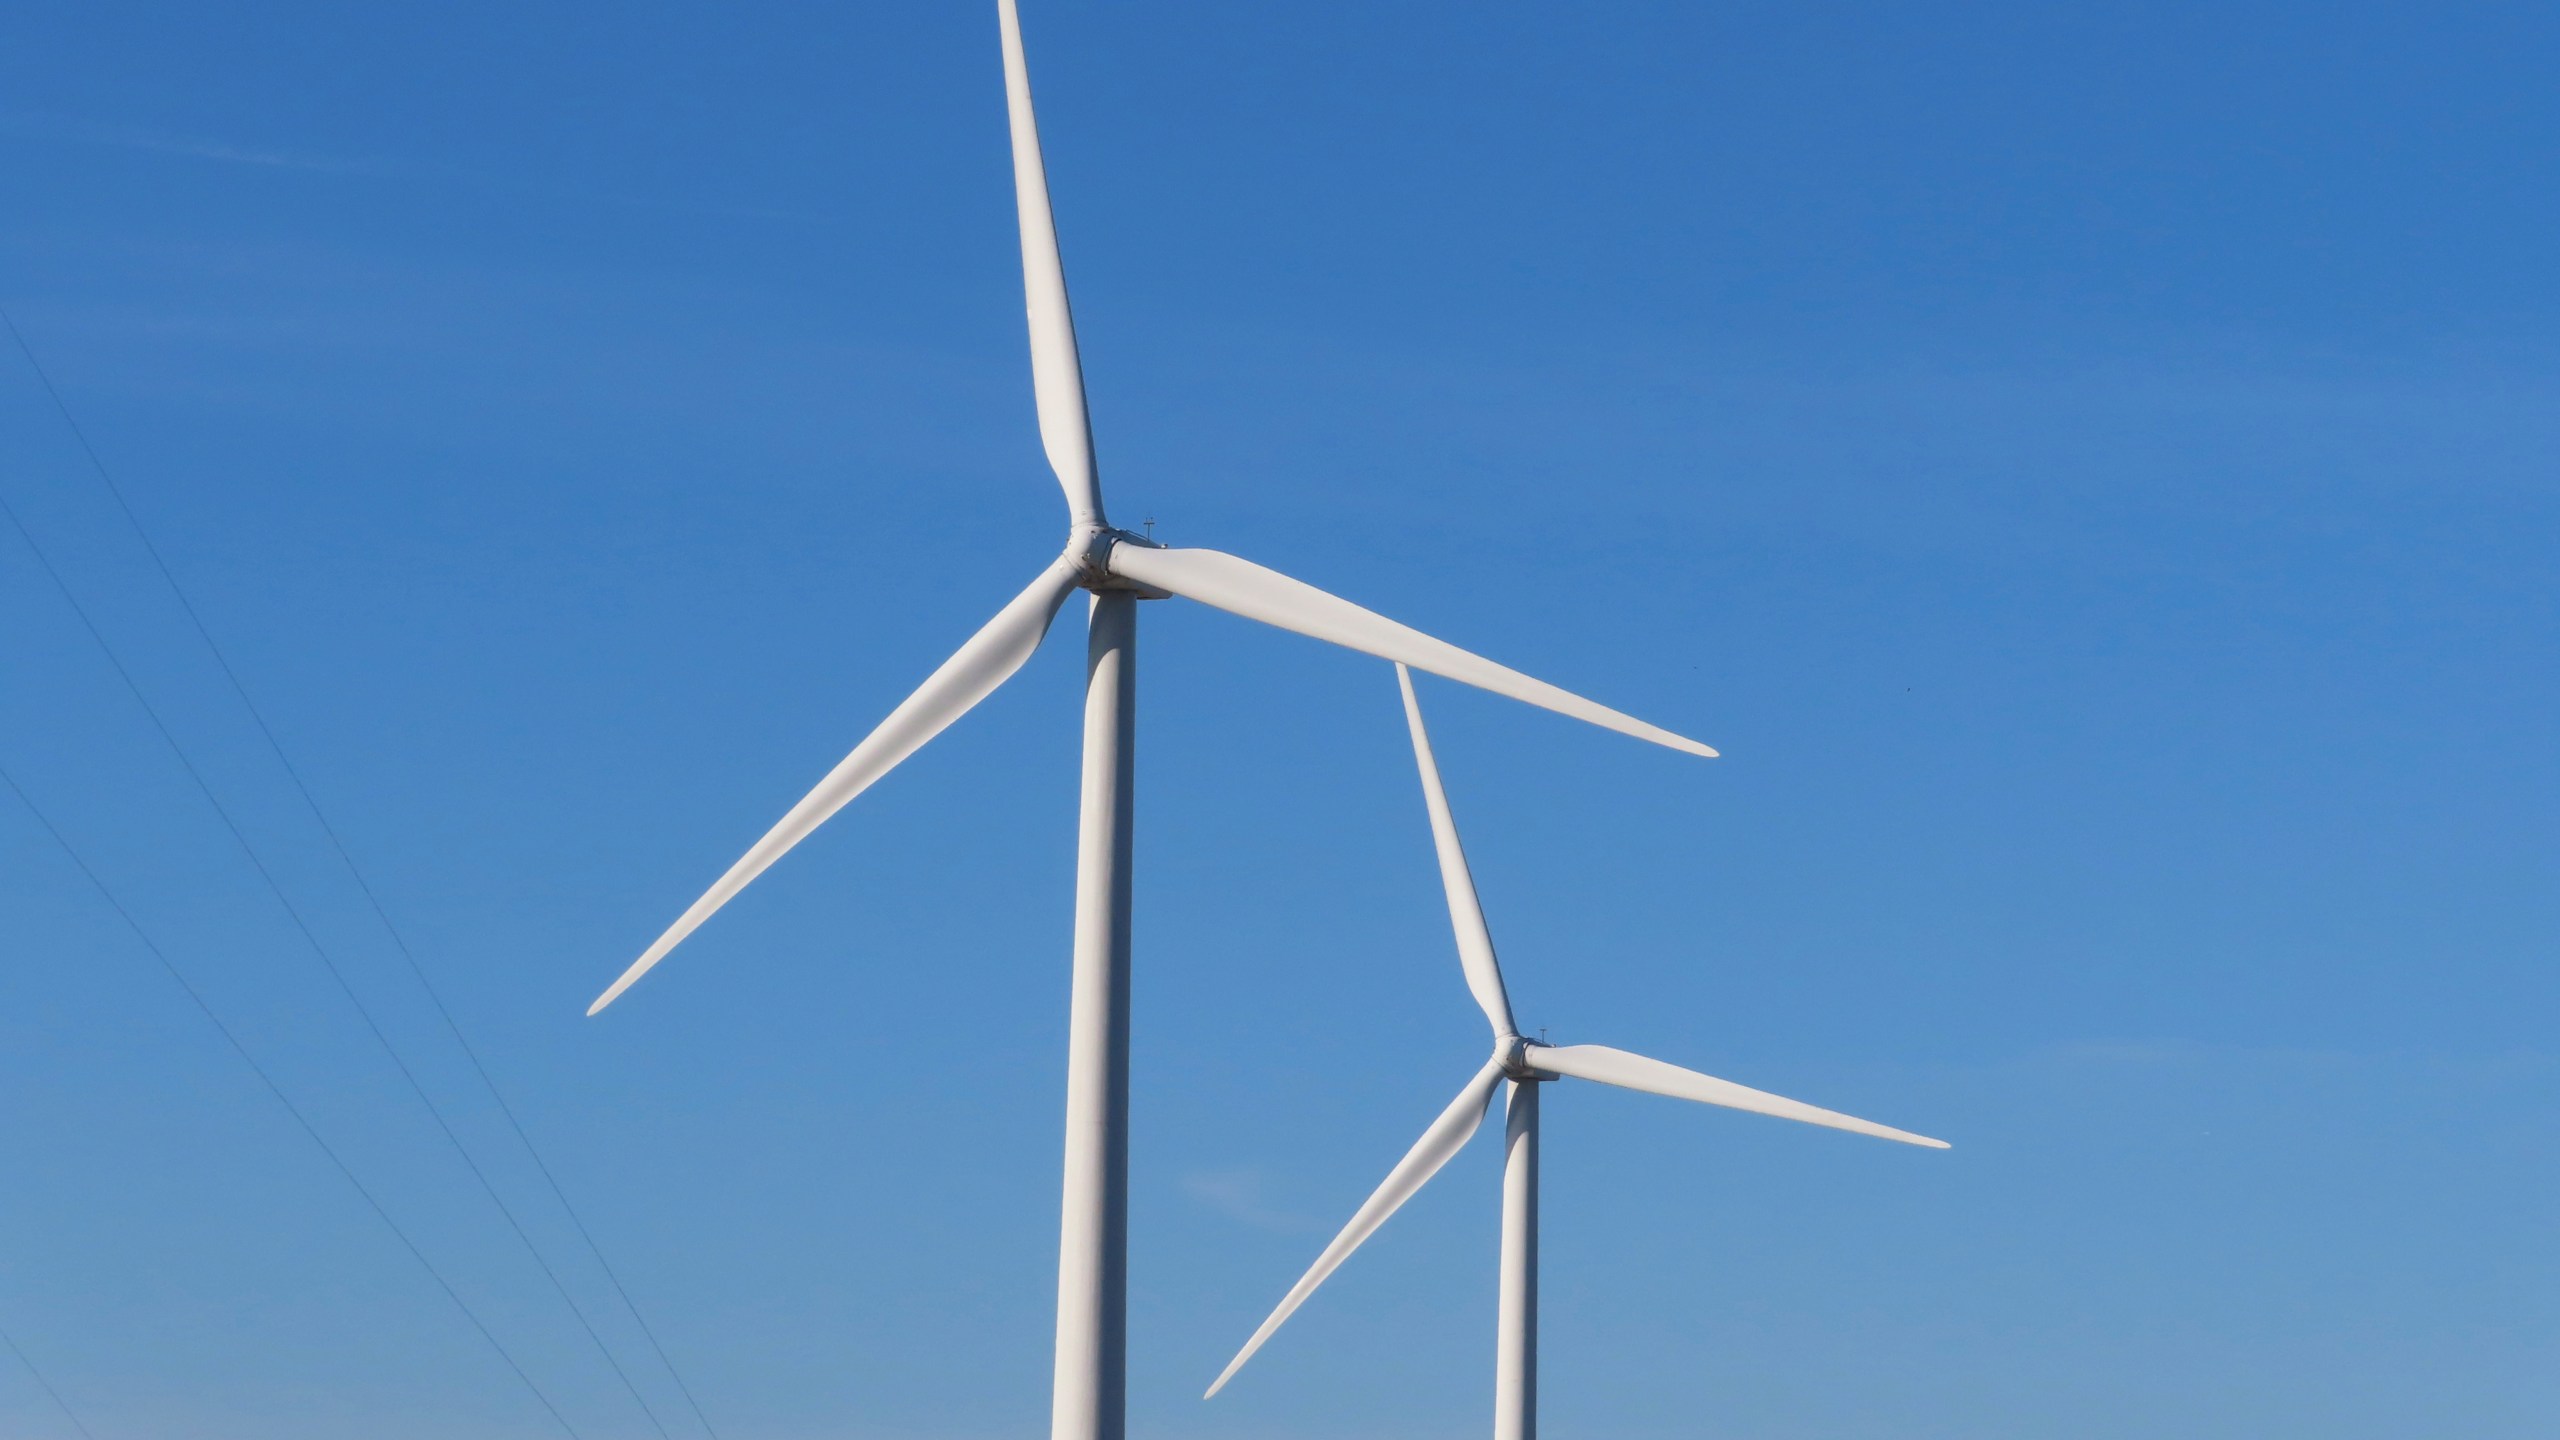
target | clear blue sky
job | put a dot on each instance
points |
(2089, 468)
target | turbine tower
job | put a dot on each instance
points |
(1527, 1065)
(1120, 569)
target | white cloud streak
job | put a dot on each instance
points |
(191, 147)
(1238, 1195)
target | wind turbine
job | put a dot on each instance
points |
(1119, 568)
(1526, 1065)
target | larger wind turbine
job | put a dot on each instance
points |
(1119, 569)
(1527, 1065)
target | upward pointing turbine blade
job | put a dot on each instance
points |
(1446, 1137)
(1057, 376)
(1466, 913)
(969, 676)
(1241, 587)
(1636, 1072)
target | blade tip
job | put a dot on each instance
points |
(614, 991)
(1674, 740)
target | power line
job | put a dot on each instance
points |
(46, 1385)
(355, 872)
(196, 998)
(328, 962)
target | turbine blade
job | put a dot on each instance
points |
(1446, 1137)
(1466, 914)
(1636, 1072)
(969, 676)
(1057, 376)
(1241, 587)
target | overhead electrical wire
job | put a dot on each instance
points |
(355, 872)
(46, 1385)
(196, 998)
(328, 962)
(373, 900)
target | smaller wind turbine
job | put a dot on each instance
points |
(1527, 1065)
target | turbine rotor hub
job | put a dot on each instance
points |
(1091, 545)
(1513, 1053)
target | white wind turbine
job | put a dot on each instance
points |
(1527, 1065)
(1120, 569)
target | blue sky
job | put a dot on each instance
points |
(2090, 471)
